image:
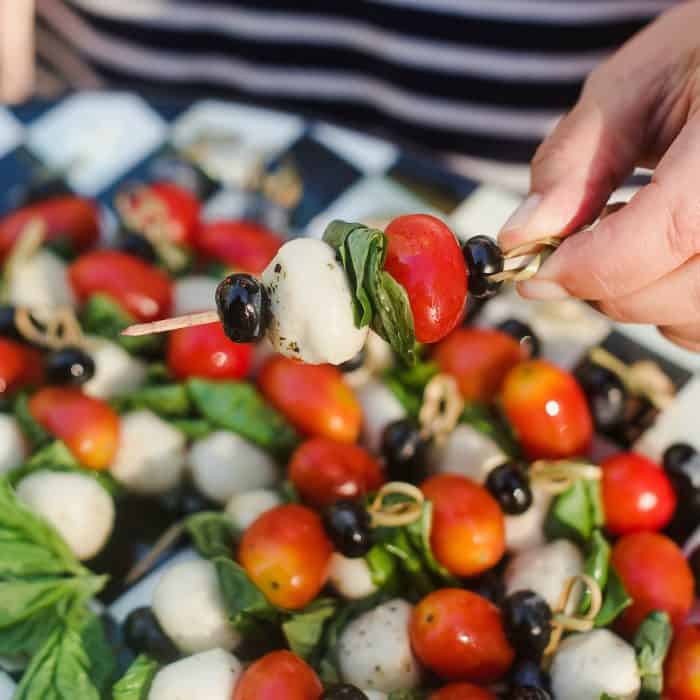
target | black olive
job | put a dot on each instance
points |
(343, 691)
(353, 363)
(527, 622)
(488, 585)
(682, 460)
(509, 485)
(144, 635)
(694, 561)
(69, 366)
(244, 308)
(8, 329)
(405, 451)
(139, 246)
(348, 526)
(48, 186)
(483, 258)
(523, 334)
(528, 693)
(527, 673)
(606, 394)
(186, 500)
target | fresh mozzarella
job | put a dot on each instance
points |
(12, 447)
(194, 293)
(375, 694)
(468, 452)
(311, 304)
(75, 504)
(7, 687)
(151, 453)
(527, 530)
(544, 570)
(223, 463)
(40, 282)
(116, 371)
(247, 506)
(591, 664)
(351, 578)
(375, 649)
(187, 603)
(210, 675)
(379, 408)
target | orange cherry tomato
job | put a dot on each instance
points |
(20, 366)
(325, 471)
(468, 534)
(479, 359)
(244, 245)
(205, 351)
(459, 635)
(548, 410)
(141, 289)
(682, 668)
(424, 257)
(88, 426)
(279, 675)
(286, 554)
(462, 691)
(656, 576)
(637, 494)
(315, 398)
(68, 217)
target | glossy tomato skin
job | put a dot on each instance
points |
(459, 635)
(325, 471)
(548, 410)
(468, 533)
(205, 351)
(286, 553)
(656, 575)
(183, 208)
(140, 289)
(682, 667)
(314, 398)
(279, 675)
(424, 257)
(462, 691)
(20, 366)
(88, 426)
(244, 245)
(637, 494)
(479, 359)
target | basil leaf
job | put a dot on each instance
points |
(304, 630)
(36, 435)
(408, 384)
(596, 566)
(136, 682)
(25, 637)
(491, 423)
(288, 492)
(615, 600)
(212, 533)
(166, 400)
(651, 642)
(575, 513)
(103, 664)
(382, 565)
(192, 428)
(158, 373)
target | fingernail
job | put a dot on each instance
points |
(519, 218)
(544, 290)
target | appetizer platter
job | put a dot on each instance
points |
(274, 424)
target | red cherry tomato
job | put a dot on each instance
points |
(325, 471)
(656, 576)
(315, 398)
(637, 494)
(279, 675)
(141, 289)
(462, 691)
(88, 426)
(459, 635)
(286, 554)
(70, 218)
(183, 208)
(244, 245)
(468, 534)
(479, 359)
(423, 255)
(682, 676)
(20, 366)
(205, 351)
(548, 410)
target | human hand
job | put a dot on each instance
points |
(641, 264)
(16, 49)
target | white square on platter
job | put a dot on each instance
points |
(368, 154)
(10, 131)
(483, 212)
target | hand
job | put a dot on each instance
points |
(640, 264)
(16, 49)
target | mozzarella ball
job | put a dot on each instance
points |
(544, 570)
(187, 603)
(194, 293)
(116, 371)
(526, 531)
(223, 463)
(375, 649)
(13, 449)
(246, 507)
(379, 408)
(75, 504)
(590, 664)
(7, 686)
(467, 451)
(311, 304)
(209, 675)
(351, 578)
(375, 694)
(40, 282)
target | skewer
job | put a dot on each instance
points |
(172, 324)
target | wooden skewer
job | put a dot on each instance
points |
(172, 324)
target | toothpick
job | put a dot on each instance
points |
(172, 324)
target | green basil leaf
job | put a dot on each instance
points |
(288, 492)
(408, 384)
(490, 422)
(576, 513)
(158, 373)
(615, 600)
(103, 664)
(382, 565)
(212, 533)
(605, 696)
(192, 428)
(304, 630)
(25, 637)
(596, 566)
(136, 682)
(36, 435)
(166, 400)
(651, 642)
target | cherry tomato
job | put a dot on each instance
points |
(70, 218)
(315, 398)
(462, 691)
(479, 359)
(279, 675)
(20, 366)
(637, 494)
(205, 351)
(682, 676)
(244, 245)
(141, 289)
(286, 554)
(423, 256)
(468, 534)
(88, 426)
(459, 635)
(183, 208)
(548, 410)
(324, 471)
(656, 576)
